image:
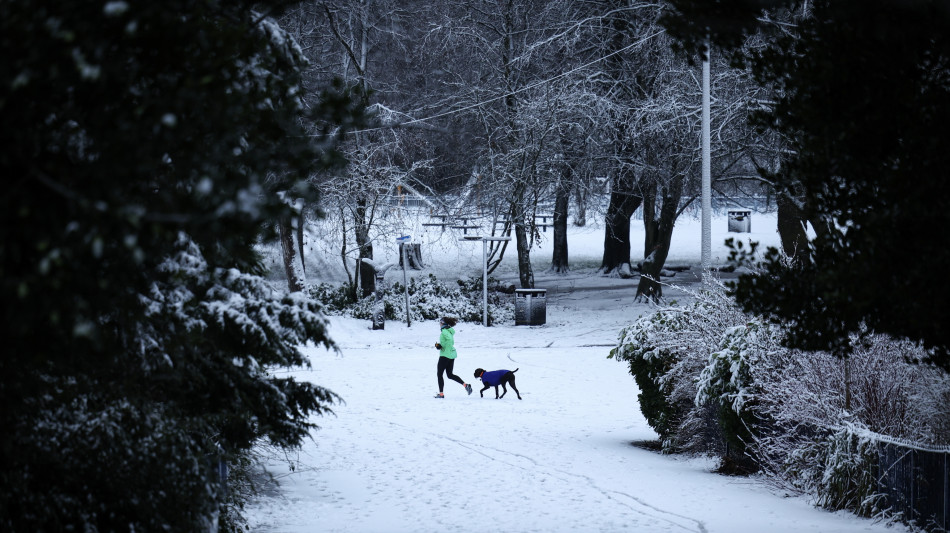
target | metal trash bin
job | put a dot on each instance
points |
(740, 221)
(530, 307)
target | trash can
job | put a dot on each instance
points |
(530, 307)
(740, 221)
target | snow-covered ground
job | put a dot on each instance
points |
(396, 459)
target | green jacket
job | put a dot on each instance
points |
(447, 340)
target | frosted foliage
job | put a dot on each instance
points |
(231, 302)
(887, 394)
(728, 374)
(846, 478)
(688, 336)
(429, 299)
(804, 410)
(819, 405)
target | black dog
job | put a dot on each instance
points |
(496, 378)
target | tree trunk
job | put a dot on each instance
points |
(525, 274)
(299, 230)
(580, 211)
(293, 262)
(650, 222)
(367, 280)
(658, 238)
(624, 195)
(624, 201)
(791, 226)
(344, 250)
(562, 196)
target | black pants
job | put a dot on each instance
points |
(447, 365)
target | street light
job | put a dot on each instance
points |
(485, 240)
(706, 246)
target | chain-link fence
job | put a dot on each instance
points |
(915, 483)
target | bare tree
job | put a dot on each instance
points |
(290, 232)
(528, 102)
(622, 27)
(368, 44)
(499, 39)
(668, 153)
(531, 83)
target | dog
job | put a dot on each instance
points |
(496, 378)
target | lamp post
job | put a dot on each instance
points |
(485, 241)
(706, 246)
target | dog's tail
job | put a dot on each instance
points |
(515, 370)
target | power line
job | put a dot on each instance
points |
(512, 93)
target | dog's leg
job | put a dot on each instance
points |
(496, 392)
(482, 392)
(512, 383)
(504, 388)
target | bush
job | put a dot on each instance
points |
(667, 352)
(809, 420)
(429, 299)
(849, 477)
(827, 412)
(650, 360)
(728, 381)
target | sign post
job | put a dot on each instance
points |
(484, 269)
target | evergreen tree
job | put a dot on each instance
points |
(865, 105)
(142, 143)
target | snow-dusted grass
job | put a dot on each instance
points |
(396, 459)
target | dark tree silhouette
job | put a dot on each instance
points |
(865, 104)
(141, 145)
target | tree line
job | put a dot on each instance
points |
(530, 100)
(530, 103)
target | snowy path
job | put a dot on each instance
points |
(395, 459)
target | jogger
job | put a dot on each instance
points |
(447, 365)
(447, 355)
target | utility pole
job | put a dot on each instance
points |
(707, 172)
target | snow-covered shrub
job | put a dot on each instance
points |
(876, 387)
(849, 477)
(335, 299)
(729, 379)
(666, 352)
(810, 420)
(650, 359)
(837, 466)
(429, 299)
(826, 415)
